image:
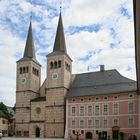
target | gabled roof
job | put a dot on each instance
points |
(102, 82)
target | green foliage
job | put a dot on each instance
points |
(4, 109)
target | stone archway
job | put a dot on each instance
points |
(37, 132)
(89, 135)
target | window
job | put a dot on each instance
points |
(82, 131)
(131, 95)
(89, 123)
(26, 133)
(82, 99)
(73, 131)
(89, 99)
(81, 123)
(73, 99)
(51, 65)
(82, 110)
(59, 64)
(3, 121)
(105, 98)
(97, 109)
(116, 122)
(18, 133)
(20, 70)
(116, 108)
(131, 107)
(105, 123)
(131, 122)
(55, 64)
(97, 98)
(96, 123)
(105, 109)
(90, 110)
(73, 111)
(115, 97)
(73, 123)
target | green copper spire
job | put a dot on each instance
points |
(29, 48)
(59, 44)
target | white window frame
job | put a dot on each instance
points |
(105, 125)
(97, 126)
(89, 124)
(116, 118)
(82, 110)
(131, 125)
(115, 110)
(89, 110)
(73, 123)
(131, 111)
(107, 109)
(82, 124)
(95, 111)
(73, 113)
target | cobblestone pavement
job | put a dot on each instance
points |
(7, 138)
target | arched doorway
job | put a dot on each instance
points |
(37, 132)
(115, 132)
(89, 135)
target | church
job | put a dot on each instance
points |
(86, 106)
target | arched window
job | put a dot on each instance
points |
(24, 70)
(37, 73)
(55, 64)
(59, 64)
(33, 69)
(27, 69)
(51, 65)
(20, 70)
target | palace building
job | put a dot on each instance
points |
(88, 105)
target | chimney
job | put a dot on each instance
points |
(102, 68)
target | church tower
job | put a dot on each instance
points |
(27, 85)
(59, 67)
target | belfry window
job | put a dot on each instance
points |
(24, 70)
(51, 65)
(20, 70)
(59, 64)
(55, 64)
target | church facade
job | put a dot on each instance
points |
(89, 105)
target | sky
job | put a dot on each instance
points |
(97, 32)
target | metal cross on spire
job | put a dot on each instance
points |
(60, 5)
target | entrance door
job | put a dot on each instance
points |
(37, 132)
(89, 135)
(115, 132)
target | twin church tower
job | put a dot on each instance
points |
(40, 109)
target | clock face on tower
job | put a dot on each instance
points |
(55, 76)
(23, 80)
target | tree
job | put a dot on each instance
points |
(4, 109)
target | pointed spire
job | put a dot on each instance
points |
(29, 48)
(59, 44)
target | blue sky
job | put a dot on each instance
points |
(96, 32)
